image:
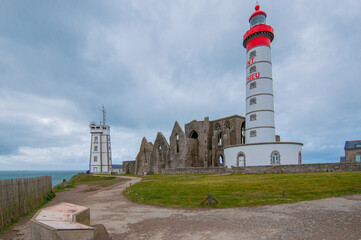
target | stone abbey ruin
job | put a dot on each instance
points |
(200, 145)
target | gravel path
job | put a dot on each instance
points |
(332, 218)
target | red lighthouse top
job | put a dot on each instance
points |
(260, 33)
(257, 12)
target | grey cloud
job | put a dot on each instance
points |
(153, 62)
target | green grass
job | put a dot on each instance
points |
(238, 190)
(94, 182)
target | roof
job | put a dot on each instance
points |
(233, 116)
(257, 12)
(117, 166)
(353, 144)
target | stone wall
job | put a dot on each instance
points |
(142, 161)
(177, 147)
(198, 136)
(200, 145)
(195, 170)
(159, 157)
(129, 167)
(304, 168)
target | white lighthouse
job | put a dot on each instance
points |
(260, 126)
(261, 146)
(100, 148)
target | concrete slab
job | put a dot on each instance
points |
(62, 221)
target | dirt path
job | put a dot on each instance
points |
(332, 218)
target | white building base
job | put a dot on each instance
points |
(261, 154)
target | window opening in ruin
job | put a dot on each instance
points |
(145, 156)
(243, 133)
(221, 162)
(218, 127)
(227, 125)
(275, 157)
(95, 158)
(194, 134)
(95, 148)
(358, 158)
(253, 101)
(299, 158)
(252, 54)
(253, 85)
(159, 147)
(177, 142)
(220, 139)
(358, 145)
(253, 69)
(253, 133)
(253, 117)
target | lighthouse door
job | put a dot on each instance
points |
(241, 160)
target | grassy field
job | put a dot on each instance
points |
(238, 190)
(93, 182)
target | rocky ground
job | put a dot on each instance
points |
(332, 218)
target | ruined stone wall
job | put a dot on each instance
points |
(225, 132)
(160, 155)
(129, 167)
(197, 146)
(305, 168)
(142, 161)
(195, 170)
(350, 154)
(178, 149)
(192, 155)
(197, 143)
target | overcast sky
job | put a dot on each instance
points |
(152, 62)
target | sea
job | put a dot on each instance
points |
(57, 176)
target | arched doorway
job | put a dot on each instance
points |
(193, 148)
(220, 162)
(241, 159)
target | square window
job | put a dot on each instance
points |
(253, 117)
(253, 69)
(253, 133)
(252, 54)
(95, 148)
(253, 85)
(252, 101)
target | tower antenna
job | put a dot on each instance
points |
(104, 114)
